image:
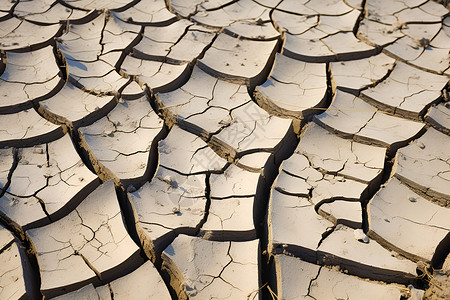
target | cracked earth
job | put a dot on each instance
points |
(224, 149)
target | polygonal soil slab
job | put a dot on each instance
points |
(201, 269)
(293, 89)
(89, 243)
(168, 205)
(346, 158)
(301, 280)
(99, 77)
(292, 220)
(343, 247)
(180, 42)
(424, 166)
(16, 34)
(148, 12)
(396, 211)
(204, 101)
(407, 92)
(122, 140)
(236, 204)
(143, 283)
(351, 117)
(74, 107)
(49, 12)
(240, 61)
(188, 154)
(335, 16)
(5, 8)
(158, 76)
(28, 76)
(49, 180)
(294, 24)
(354, 75)
(26, 128)
(246, 19)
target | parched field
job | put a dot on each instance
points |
(224, 149)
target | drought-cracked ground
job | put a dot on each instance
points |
(224, 149)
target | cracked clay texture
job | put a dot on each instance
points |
(225, 149)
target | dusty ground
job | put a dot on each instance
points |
(245, 149)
